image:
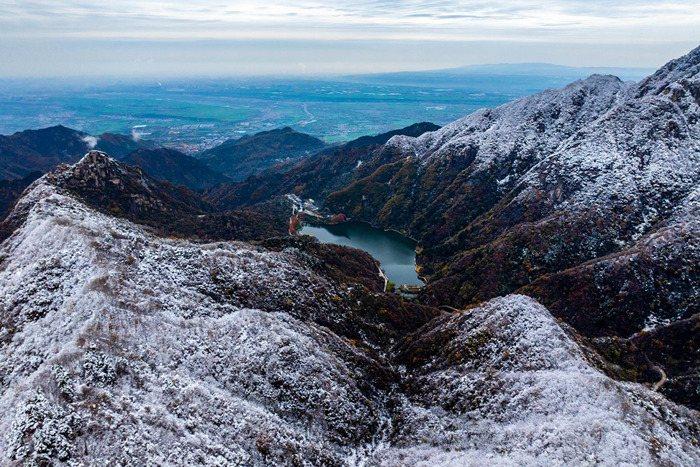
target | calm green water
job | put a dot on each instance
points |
(396, 253)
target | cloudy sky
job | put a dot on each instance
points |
(212, 37)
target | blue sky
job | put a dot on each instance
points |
(212, 37)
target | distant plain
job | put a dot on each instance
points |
(198, 113)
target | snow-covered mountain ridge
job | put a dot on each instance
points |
(545, 119)
(581, 197)
(119, 346)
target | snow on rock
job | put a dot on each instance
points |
(645, 151)
(530, 127)
(121, 347)
(509, 387)
(598, 143)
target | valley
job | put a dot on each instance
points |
(159, 305)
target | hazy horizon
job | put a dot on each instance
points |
(99, 79)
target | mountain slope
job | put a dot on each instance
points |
(239, 158)
(42, 150)
(584, 198)
(617, 179)
(466, 166)
(121, 346)
(11, 190)
(119, 146)
(175, 167)
(314, 176)
(544, 184)
(504, 382)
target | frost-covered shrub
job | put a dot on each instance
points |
(64, 382)
(42, 431)
(101, 369)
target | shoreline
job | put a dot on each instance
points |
(301, 217)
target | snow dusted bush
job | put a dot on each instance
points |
(504, 384)
(64, 382)
(101, 369)
(42, 431)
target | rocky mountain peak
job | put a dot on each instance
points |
(533, 126)
(124, 190)
(96, 169)
(596, 80)
(95, 158)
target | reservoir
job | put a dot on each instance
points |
(395, 253)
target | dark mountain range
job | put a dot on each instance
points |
(118, 146)
(239, 158)
(314, 176)
(31, 151)
(39, 150)
(175, 167)
(364, 142)
(42, 150)
(171, 165)
(127, 192)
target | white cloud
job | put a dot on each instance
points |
(90, 140)
(135, 135)
(597, 20)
